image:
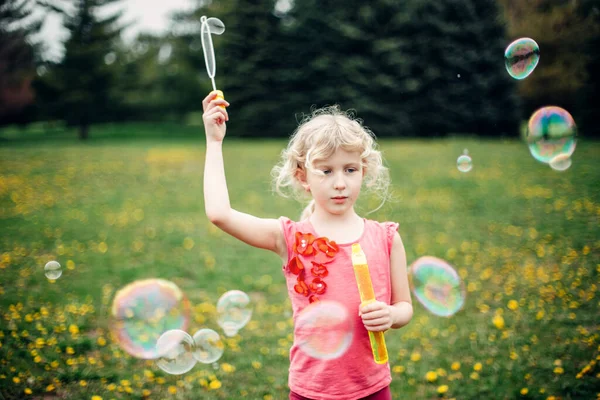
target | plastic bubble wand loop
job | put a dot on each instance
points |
(216, 26)
(367, 295)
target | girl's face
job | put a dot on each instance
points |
(336, 191)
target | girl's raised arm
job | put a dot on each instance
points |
(264, 233)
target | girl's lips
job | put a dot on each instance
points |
(339, 200)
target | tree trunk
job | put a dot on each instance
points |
(84, 130)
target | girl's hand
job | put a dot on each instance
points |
(214, 117)
(376, 316)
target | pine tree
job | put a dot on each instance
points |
(82, 77)
(440, 70)
(17, 56)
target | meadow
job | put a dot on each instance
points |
(126, 206)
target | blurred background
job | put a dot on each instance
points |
(82, 80)
(416, 68)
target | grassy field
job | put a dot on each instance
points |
(525, 239)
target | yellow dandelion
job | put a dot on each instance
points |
(27, 391)
(477, 367)
(498, 321)
(82, 383)
(442, 389)
(398, 369)
(96, 398)
(16, 379)
(268, 397)
(227, 367)
(513, 305)
(216, 384)
(101, 341)
(559, 370)
(256, 365)
(524, 391)
(474, 376)
(73, 329)
(146, 393)
(49, 388)
(455, 366)
(111, 387)
(431, 376)
(415, 356)
(172, 389)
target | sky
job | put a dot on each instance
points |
(149, 16)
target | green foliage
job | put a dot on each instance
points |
(568, 33)
(411, 68)
(18, 25)
(82, 79)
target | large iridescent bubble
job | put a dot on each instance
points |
(324, 330)
(143, 310)
(437, 286)
(521, 57)
(551, 132)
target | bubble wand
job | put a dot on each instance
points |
(367, 295)
(216, 26)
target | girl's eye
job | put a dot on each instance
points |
(327, 171)
(351, 170)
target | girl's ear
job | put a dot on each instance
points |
(301, 176)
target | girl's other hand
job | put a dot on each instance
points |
(376, 316)
(214, 117)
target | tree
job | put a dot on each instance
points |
(566, 32)
(82, 77)
(249, 59)
(17, 56)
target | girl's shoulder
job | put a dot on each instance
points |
(383, 231)
(389, 227)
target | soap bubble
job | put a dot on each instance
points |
(521, 57)
(208, 346)
(464, 162)
(551, 132)
(437, 286)
(324, 330)
(233, 311)
(143, 310)
(174, 349)
(53, 270)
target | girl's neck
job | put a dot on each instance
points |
(323, 218)
(343, 229)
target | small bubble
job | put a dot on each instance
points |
(464, 162)
(53, 270)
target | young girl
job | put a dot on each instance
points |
(328, 158)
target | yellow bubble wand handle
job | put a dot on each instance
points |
(367, 295)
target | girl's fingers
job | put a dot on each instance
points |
(374, 315)
(381, 322)
(211, 101)
(217, 114)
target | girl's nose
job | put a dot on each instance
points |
(339, 184)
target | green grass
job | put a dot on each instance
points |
(525, 239)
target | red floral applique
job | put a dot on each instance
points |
(304, 243)
(319, 270)
(323, 251)
(295, 265)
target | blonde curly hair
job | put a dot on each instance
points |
(317, 138)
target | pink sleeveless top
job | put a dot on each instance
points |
(354, 374)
